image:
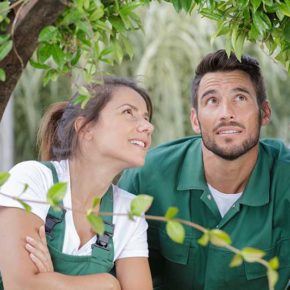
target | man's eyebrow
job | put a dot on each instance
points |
(146, 114)
(207, 93)
(243, 90)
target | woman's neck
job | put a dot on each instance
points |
(89, 180)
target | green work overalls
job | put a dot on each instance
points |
(102, 258)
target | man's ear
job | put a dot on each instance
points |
(266, 113)
(194, 121)
(82, 129)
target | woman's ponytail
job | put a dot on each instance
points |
(47, 133)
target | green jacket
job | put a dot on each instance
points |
(174, 175)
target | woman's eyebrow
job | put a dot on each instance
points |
(146, 114)
(127, 104)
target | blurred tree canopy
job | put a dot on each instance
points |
(82, 34)
(166, 53)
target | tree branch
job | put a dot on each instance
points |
(35, 15)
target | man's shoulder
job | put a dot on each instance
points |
(171, 150)
(278, 150)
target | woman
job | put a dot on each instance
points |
(88, 148)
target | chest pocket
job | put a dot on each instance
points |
(172, 251)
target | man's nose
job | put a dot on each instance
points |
(227, 111)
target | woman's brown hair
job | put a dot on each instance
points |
(57, 137)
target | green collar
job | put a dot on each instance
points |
(192, 176)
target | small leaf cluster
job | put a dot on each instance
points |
(264, 21)
(248, 254)
(88, 33)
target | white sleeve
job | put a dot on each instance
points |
(130, 236)
(137, 245)
(38, 178)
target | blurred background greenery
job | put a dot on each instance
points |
(166, 54)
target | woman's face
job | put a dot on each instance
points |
(122, 133)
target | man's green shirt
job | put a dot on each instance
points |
(174, 175)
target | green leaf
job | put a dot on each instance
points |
(177, 5)
(96, 201)
(49, 34)
(272, 278)
(239, 45)
(2, 75)
(82, 100)
(256, 4)
(4, 177)
(26, 186)
(58, 55)
(204, 239)
(4, 8)
(171, 212)
(26, 206)
(56, 193)
(140, 204)
(268, 2)
(96, 223)
(251, 255)
(175, 231)
(43, 52)
(253, 33)
(236, 261)
(219, 238)
(5, 49)
(38, 65)
(284, 8)
(274, 263)
(97, 14)
(118, 52)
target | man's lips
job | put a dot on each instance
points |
(228, 131)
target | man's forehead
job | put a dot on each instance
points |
(233, 79)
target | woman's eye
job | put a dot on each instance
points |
(128, 112)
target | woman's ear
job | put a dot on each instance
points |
(83, 128)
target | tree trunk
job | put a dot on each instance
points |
(31, 18)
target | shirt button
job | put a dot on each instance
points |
(209, 196)
(217, 226)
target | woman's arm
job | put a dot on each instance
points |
(134, 273)
(19, 272)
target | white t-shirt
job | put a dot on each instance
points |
(130, 237)
(224, 201)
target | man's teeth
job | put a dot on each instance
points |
(229, 132)
(137, 142)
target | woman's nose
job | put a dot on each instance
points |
(145, 125)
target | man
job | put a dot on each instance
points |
(225, 179)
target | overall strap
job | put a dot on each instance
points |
(103, 248)
(55, 218)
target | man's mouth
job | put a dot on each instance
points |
(228, 132)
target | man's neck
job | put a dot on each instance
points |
(229, 176)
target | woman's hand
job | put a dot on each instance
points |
(39, 252)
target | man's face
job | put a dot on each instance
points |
(228, 116)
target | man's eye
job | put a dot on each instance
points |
(241, 98)
(211, 100)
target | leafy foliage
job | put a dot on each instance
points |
(140, 204)
(56, 193)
